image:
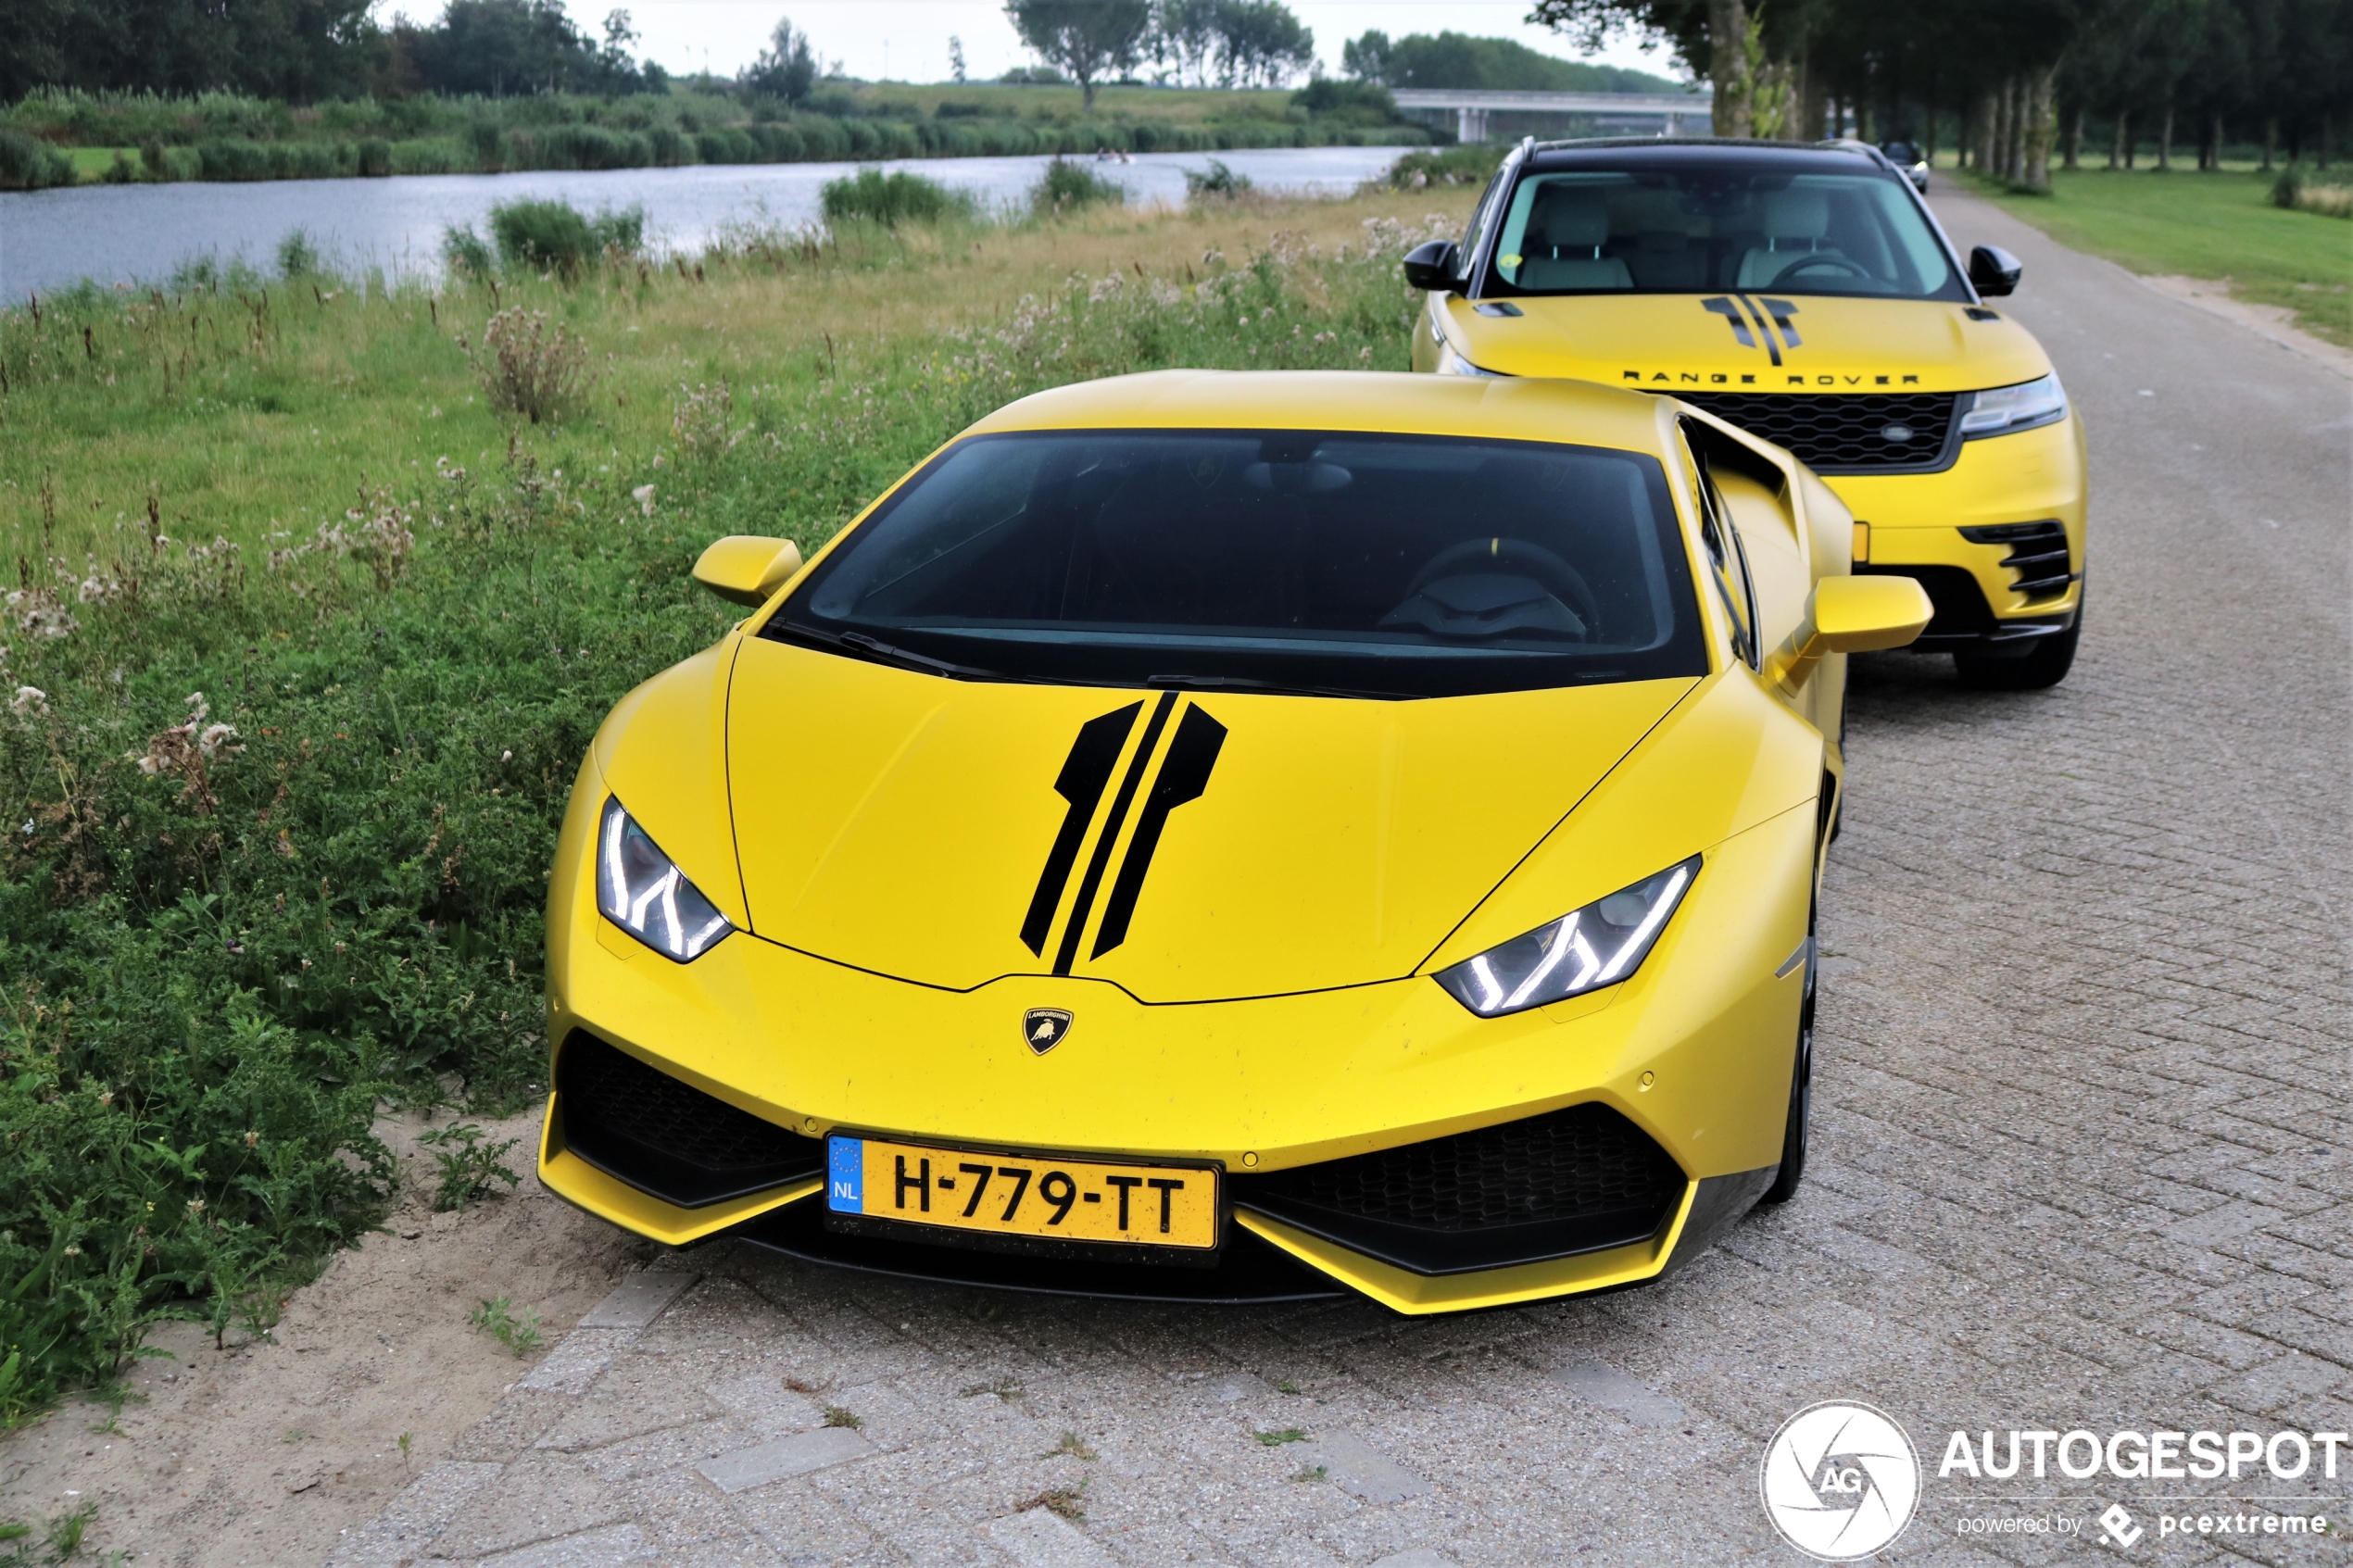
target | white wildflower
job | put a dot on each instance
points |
(28, 701)
(643, 497)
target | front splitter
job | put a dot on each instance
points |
(1247, 1269)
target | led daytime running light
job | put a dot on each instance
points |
(1586, 948)
(639, 890)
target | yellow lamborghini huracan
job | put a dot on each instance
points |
(1226, 837)
(1807, 294)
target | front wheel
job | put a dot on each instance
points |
(1796, 1132)
(2043, 666)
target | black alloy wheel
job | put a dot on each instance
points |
(1801, 1088)
(2043, 666)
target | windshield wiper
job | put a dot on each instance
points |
(860, 645)
(1277, 688)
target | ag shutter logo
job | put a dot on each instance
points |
(1184, 773)
(1840, 1481)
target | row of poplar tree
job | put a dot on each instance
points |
(2019, 83)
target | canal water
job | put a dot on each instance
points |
(142, 234)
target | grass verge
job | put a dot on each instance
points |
(307, 643)
(2219, 225)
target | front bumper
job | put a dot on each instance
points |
(1964, 533)
(1692, 1055)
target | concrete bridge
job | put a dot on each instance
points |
(1472, 107)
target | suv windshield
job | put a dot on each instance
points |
(1694, 227)
(1360, 565)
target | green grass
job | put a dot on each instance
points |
(2219, 225)
(306, 645)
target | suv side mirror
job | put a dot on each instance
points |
(1994, 271)
(1432, 265)
(746, 568)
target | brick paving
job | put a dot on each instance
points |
(2084, 1155)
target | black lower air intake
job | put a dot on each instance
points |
(1572, 1181)
(638, 1125)
(2040, 563)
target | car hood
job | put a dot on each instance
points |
(1186, 847)
(1754, 342)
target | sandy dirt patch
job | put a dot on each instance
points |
(267, 1452)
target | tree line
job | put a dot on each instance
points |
(311, 51)
(1187, 43)
(2020, 79)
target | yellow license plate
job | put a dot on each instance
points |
(1023, 1195)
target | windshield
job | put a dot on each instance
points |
(1387, 566)
(1696, 228)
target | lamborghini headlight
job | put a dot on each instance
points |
(641, 892)
(2005, 408)
(1584, 950)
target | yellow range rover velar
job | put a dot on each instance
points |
(1807, 294)
(1227, 837)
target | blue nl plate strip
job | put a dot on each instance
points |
(845, 1175)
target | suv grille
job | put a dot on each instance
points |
(2038, 555)
(1571, 1181)
(639, 1124)
(1844, 432)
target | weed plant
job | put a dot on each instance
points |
(1472, 165)
(470, 1172)
(872, 196)
(531, 366)
(27, 163)
(495, 1317)
(286, 740)
(552, 235)
(1067, 187)
(1216, 181)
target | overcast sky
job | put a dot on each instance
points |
(907, 39)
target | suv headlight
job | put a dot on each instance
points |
(2007, 409)
(640, 891)
(1453, 364)
(1584, 950)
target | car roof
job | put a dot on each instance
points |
(1659, 152)
(1509, 408)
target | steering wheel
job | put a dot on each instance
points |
(1808, 263)
(1558, 578)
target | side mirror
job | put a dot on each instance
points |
(1433, 265)
(1861, 614)
(747, 568)
(1853, 615)
(1994, 271)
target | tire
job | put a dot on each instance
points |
(1799, 1128)
(2044, 666)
